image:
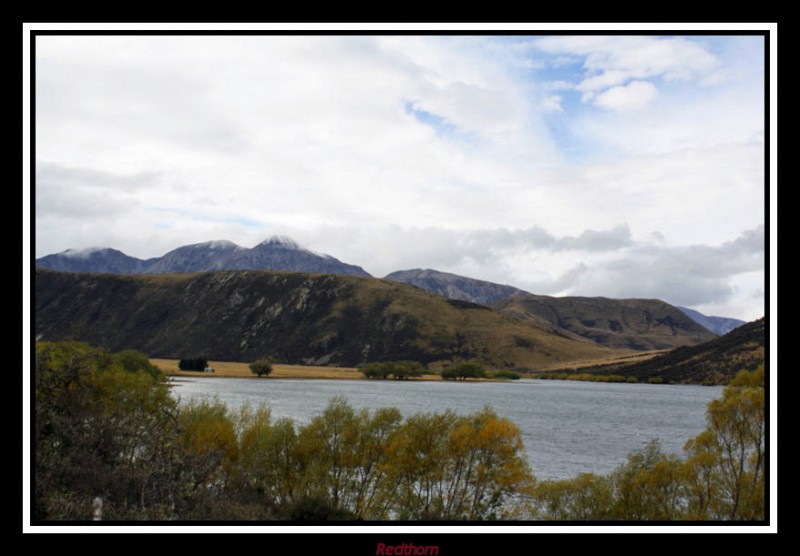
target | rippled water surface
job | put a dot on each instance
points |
(568, 427)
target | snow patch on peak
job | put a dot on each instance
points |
(284, 242)
(82, 253)
(220, 244)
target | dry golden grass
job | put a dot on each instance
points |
(241, 370)
(628, 358)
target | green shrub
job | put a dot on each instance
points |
(400, 370)
(506, 373)
(134, 361)
(463, 371)
(262, 367)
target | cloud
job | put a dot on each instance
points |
(609, 263)
(690, 275)
(552, 104)
(558, 85)
(599, 240)
(610, 61)
(78, 193)
(634, 96)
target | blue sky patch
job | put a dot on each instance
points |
(439, 124)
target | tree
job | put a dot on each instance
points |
(734, 440)
(193, 363)
(463, 371)
(586, 497)
(135, 361)
(102, 430)
(648, 486)
(403, 370)
(261, 367)
(376, 370)
(446, 466)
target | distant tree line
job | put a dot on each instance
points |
(400, 370)
(585, 377)
(193, 363)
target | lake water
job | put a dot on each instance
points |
(568, 427)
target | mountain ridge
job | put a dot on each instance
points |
(274, 253)
(318, 319)
(640, 324)
(282, 253)
(454, 286)
(717, 325)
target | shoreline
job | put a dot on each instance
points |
(227, 369)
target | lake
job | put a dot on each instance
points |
(568, 427)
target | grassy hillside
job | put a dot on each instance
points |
(714, 362)
(311, 319)
(640, 324)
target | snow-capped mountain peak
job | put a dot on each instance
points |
(82, 253)
(218, 244)
(283, 242)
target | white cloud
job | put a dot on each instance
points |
(611, 61)
(603, 81)
(558, 85)
(552, 104)
(634, 96)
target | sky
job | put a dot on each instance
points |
(619, 166)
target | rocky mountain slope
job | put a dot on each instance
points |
(293, 317)
(453, 286)
(640, 324)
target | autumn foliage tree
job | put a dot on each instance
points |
(721, 478)
(446, 466)
(104, 426)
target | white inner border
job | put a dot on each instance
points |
(523, 28)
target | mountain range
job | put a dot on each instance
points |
(275, 253)
(628, 323)
(606, 321)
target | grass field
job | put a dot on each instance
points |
(615, 360)
(241, 370)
